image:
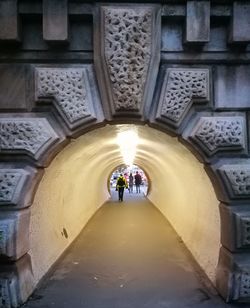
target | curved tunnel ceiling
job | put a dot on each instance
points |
(74, 186)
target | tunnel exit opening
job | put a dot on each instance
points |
(140, 186)
(74, 187)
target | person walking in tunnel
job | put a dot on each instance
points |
(120, 186)
(137, 182)
(131, 183)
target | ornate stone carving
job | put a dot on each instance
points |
(8, 183)
(69, 87)
(237, 179)
(11, 184)
(182, 87)
(127, 51)
(244, 225)
(128, 55)
(26, 135)
(215, 134)
(244, 284)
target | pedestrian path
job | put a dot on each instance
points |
(127, 256)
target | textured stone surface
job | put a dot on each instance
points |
(198, 21)
(215, 134)
(55, 20)
(14, 234)
(71, 91)
(128, 36)
(11, 184)
(26, 135)
(237, 179)
(235, 226)
(182, 87)
(231, 86)
(240, 26)
(9, 24)
(17, 185)
(243, 230)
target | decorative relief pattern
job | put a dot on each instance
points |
(220, 133)
(238, 177)
(128, 37)
(8, 183)
(181, 87)
(244, 284)
(245, 231)
(69, 87)
(31, 135)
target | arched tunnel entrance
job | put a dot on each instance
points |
(74, 187)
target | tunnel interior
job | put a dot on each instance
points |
(74, 187)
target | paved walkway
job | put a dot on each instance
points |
(127, 256)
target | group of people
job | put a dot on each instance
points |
(121, 184)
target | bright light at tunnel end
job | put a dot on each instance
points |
(127, 141)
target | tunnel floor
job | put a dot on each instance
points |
(128, 256)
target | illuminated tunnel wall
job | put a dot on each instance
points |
(74, 186)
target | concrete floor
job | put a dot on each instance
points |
(128, 256)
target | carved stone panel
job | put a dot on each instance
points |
(69, 88)
(237, 180)
(127, 55)
(244, 283)
(214, 134)
(11, 184)
(181, 88)
(32, 136)
(235, 226)
(243, 229)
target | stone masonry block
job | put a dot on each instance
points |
(231, 86)
(14, 234)
(233, 276)
(127, 55)
(13, 92)
(240, 24)
(181, 88)
(17, 185)
(27, 135)
(235, 227)
(236, 178)
(221, 133)
(198, 21)
(71, 90)
(9, 22)
(16, 283)
(55, 20)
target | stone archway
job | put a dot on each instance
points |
(178, 101)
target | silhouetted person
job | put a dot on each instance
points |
(131, 183)
(137, 182)
(120, 185)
